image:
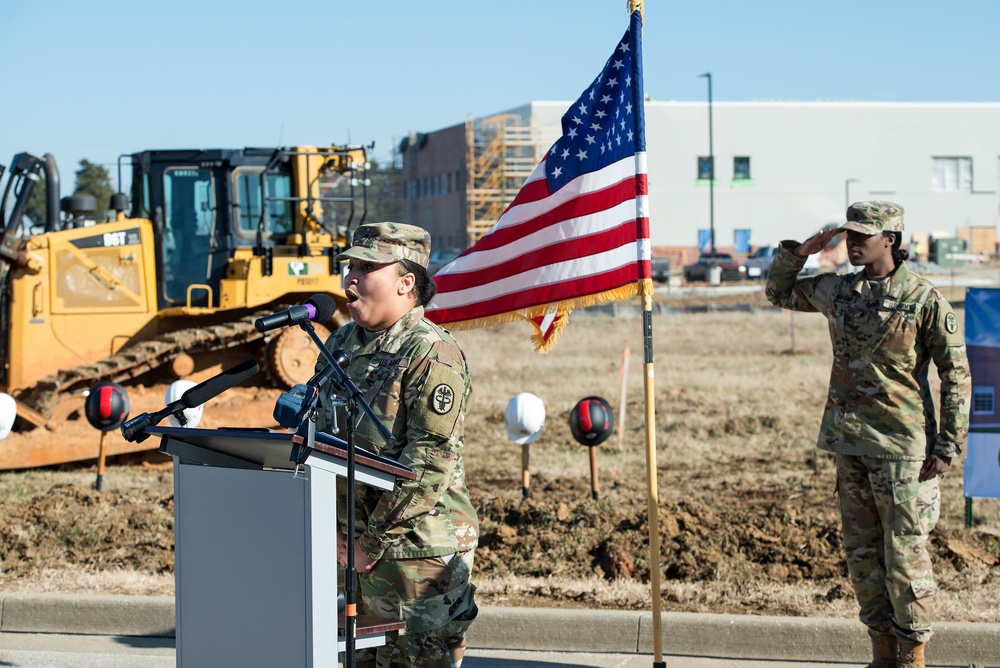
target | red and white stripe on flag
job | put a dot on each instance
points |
(577, 233)
(548, 327)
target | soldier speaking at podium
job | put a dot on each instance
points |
(414, 544)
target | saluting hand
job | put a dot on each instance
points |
(815, 243)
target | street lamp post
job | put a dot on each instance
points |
(847, 192)
(711, 167)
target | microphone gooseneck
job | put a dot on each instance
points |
(135, 429)
(216, 385)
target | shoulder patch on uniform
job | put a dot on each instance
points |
(442, 399)
(951, 323)
(438, 407)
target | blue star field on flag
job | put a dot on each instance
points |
(600, 127)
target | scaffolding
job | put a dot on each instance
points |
(501, 152)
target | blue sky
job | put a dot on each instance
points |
(101, 78)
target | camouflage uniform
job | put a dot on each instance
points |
(422, 532)
(879, 421)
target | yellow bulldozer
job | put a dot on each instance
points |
(170, 280)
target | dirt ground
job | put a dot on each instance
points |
(746, 512)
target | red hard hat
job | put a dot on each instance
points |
(591, 421)
(107, 406)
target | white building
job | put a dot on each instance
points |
(783, 169)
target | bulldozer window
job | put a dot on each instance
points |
(247, 203)
(189, 207)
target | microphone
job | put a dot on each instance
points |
(318, 307)
(134, 429)
(292, 406)
(341, 357)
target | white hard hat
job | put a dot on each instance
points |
(8, 411)
(192, 415)
(524, 418)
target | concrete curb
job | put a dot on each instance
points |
(87, 614)
(550, 629)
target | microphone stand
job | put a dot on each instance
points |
(299, 455)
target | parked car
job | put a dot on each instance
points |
(759, 262)
(731, 270)
(660, 269)
(440, 258)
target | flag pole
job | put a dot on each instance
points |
(645, 289)
(651, 486)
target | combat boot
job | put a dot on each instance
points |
(911, 653)
(884, 650)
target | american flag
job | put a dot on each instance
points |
(577, 232)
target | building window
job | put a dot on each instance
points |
(741, 168)
(952, 175)
(982, 400)
(706, 169)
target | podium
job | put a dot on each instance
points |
(255, 547)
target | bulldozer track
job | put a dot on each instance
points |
(141, 357)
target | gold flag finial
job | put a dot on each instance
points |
(637, 4)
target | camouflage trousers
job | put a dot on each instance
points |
(435, 598)
(887, 514)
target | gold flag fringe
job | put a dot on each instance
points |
(641, 287)
(542, 344)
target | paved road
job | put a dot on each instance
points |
(49, 650)
(42, 650)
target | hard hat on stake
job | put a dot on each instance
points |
(591, 421)
(192, 415)
(8, 412)
(106, 406)
(524, 418)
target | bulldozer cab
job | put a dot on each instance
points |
(208, 206)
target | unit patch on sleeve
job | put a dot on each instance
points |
(442, 399)
(951, 323)
(439, 405)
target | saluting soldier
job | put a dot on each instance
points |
(886, 324)
(414, 544)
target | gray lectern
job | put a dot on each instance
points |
(255, 547)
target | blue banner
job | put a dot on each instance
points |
(982, 338)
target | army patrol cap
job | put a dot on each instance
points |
(385, 243)
(874, 217)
